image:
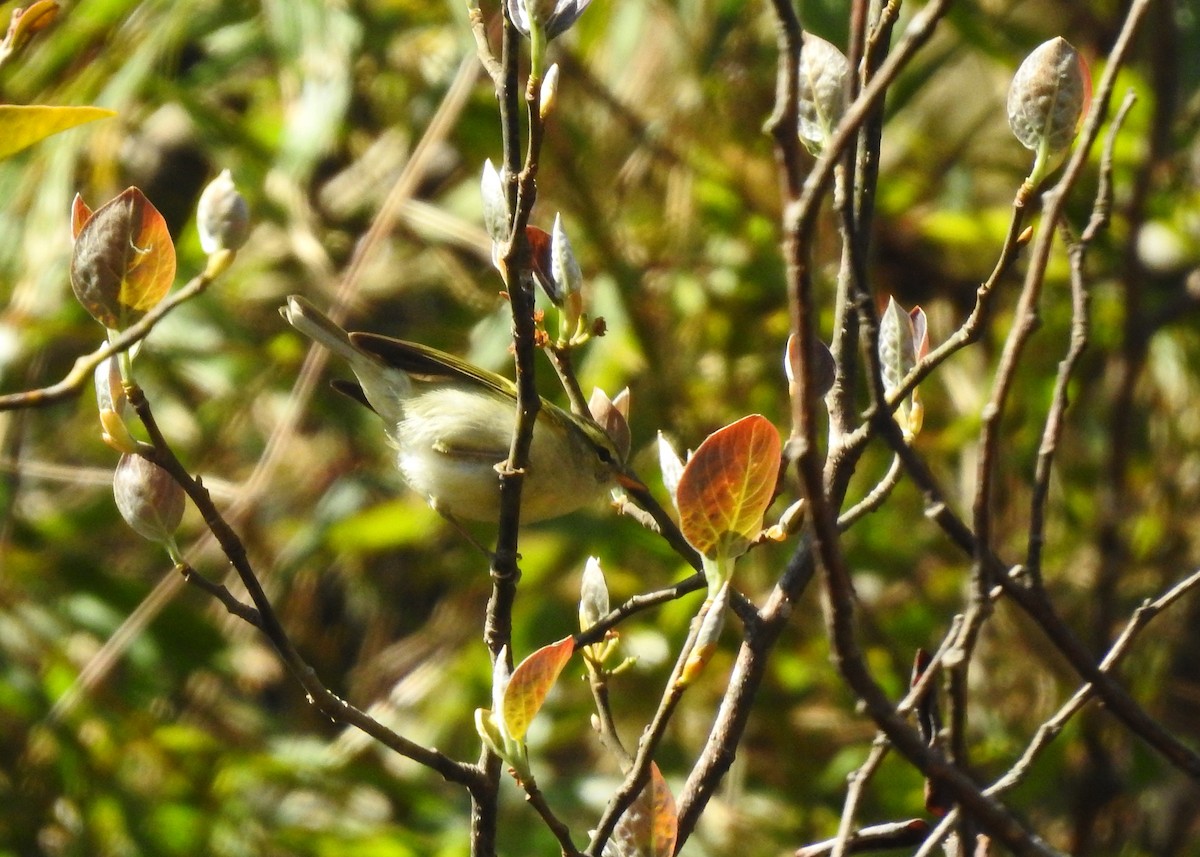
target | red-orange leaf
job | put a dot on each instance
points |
(650, 826)
(530, 682)
(123, 261)
(727, 485)
(80, 212)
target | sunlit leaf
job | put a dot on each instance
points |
(530, 682)
(22, 125)
(27, 22)
(920, 328)
(671, 466)
(896, 352)
(650, 826)
(80, 212)
(1049, 95)
(727, 485)
(123, 261)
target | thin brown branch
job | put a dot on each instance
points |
(487, 58)
(639, 772)
(1026, 321)
(637, 604)
(325, 700)
(561, 832)
(877, 837)
(1080, 298)
(220, 592)
(81, 373)
(497, 630)
(875, 497)
(606, 726)
(759, 638)
(1035, 605)
(1050, 730)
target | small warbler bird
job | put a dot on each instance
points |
(452, 424)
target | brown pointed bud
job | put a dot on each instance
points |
(222, 216)
(148, 498)
(612, 416)
(824, 368)
(1048, 96)
(824, 71)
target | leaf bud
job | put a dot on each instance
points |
(553, 17)
(824, 367)
(149, 499)
(824, 71)
(712, 621)
(568, 278)
(222, 215)
(593, 595)
(1048, 95)
(549, 93)
(113, 406)
(671, 466)
(612, 415)
(495, 203)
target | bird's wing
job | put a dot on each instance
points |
(427, 363)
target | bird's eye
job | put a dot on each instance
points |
(604, 455)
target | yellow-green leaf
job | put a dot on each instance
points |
(530, 682)
(26, 23)
(22, 125)
(727, 485)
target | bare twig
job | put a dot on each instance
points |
(220, 592)
(81, 373)
(1035, 604)
(875, 498)
(877, 837)
(639, 772)
(561, 832)
(1077, 252)
(325, 700)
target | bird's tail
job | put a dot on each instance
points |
(320, 328)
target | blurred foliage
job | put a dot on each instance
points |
(192, 739)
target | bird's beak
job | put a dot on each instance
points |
(630, 482)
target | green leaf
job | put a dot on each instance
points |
(530, 683)
(22, 125)
(896, 348)
(727, 485)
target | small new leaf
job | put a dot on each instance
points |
(1048, 97)
(671, 466)
(727, 485)
(896, 352)
(650, 826)
(123, 261)
(530, 683)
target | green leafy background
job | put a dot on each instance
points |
(195, 741)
